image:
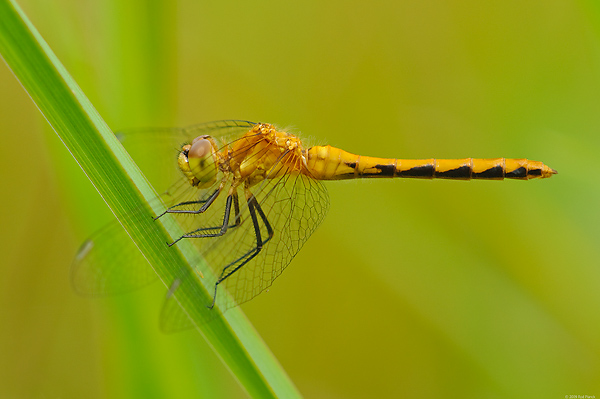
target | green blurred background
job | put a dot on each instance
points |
(409, 288)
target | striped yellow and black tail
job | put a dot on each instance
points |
(330, 163)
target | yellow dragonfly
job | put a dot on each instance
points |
(249, 196)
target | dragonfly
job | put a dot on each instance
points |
(248, 196)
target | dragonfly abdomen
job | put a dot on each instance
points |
(330, 163)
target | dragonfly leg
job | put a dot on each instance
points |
(236, 223)
(198, 233)
(253, 207)
(206, 203)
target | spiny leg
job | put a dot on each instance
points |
(205, 205)
(253, 207)
(222, 229)
(236, 223)
(251, 253)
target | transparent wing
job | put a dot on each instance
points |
(293, 206)
(109, 263)
(218, 129)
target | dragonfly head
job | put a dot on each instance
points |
(197, 161)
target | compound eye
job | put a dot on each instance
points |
(200, 149)
(200, 162)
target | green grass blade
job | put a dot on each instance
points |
(125, 189)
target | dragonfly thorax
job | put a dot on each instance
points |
(266, 153)
(197, 161)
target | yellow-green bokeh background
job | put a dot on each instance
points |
(409, 288)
